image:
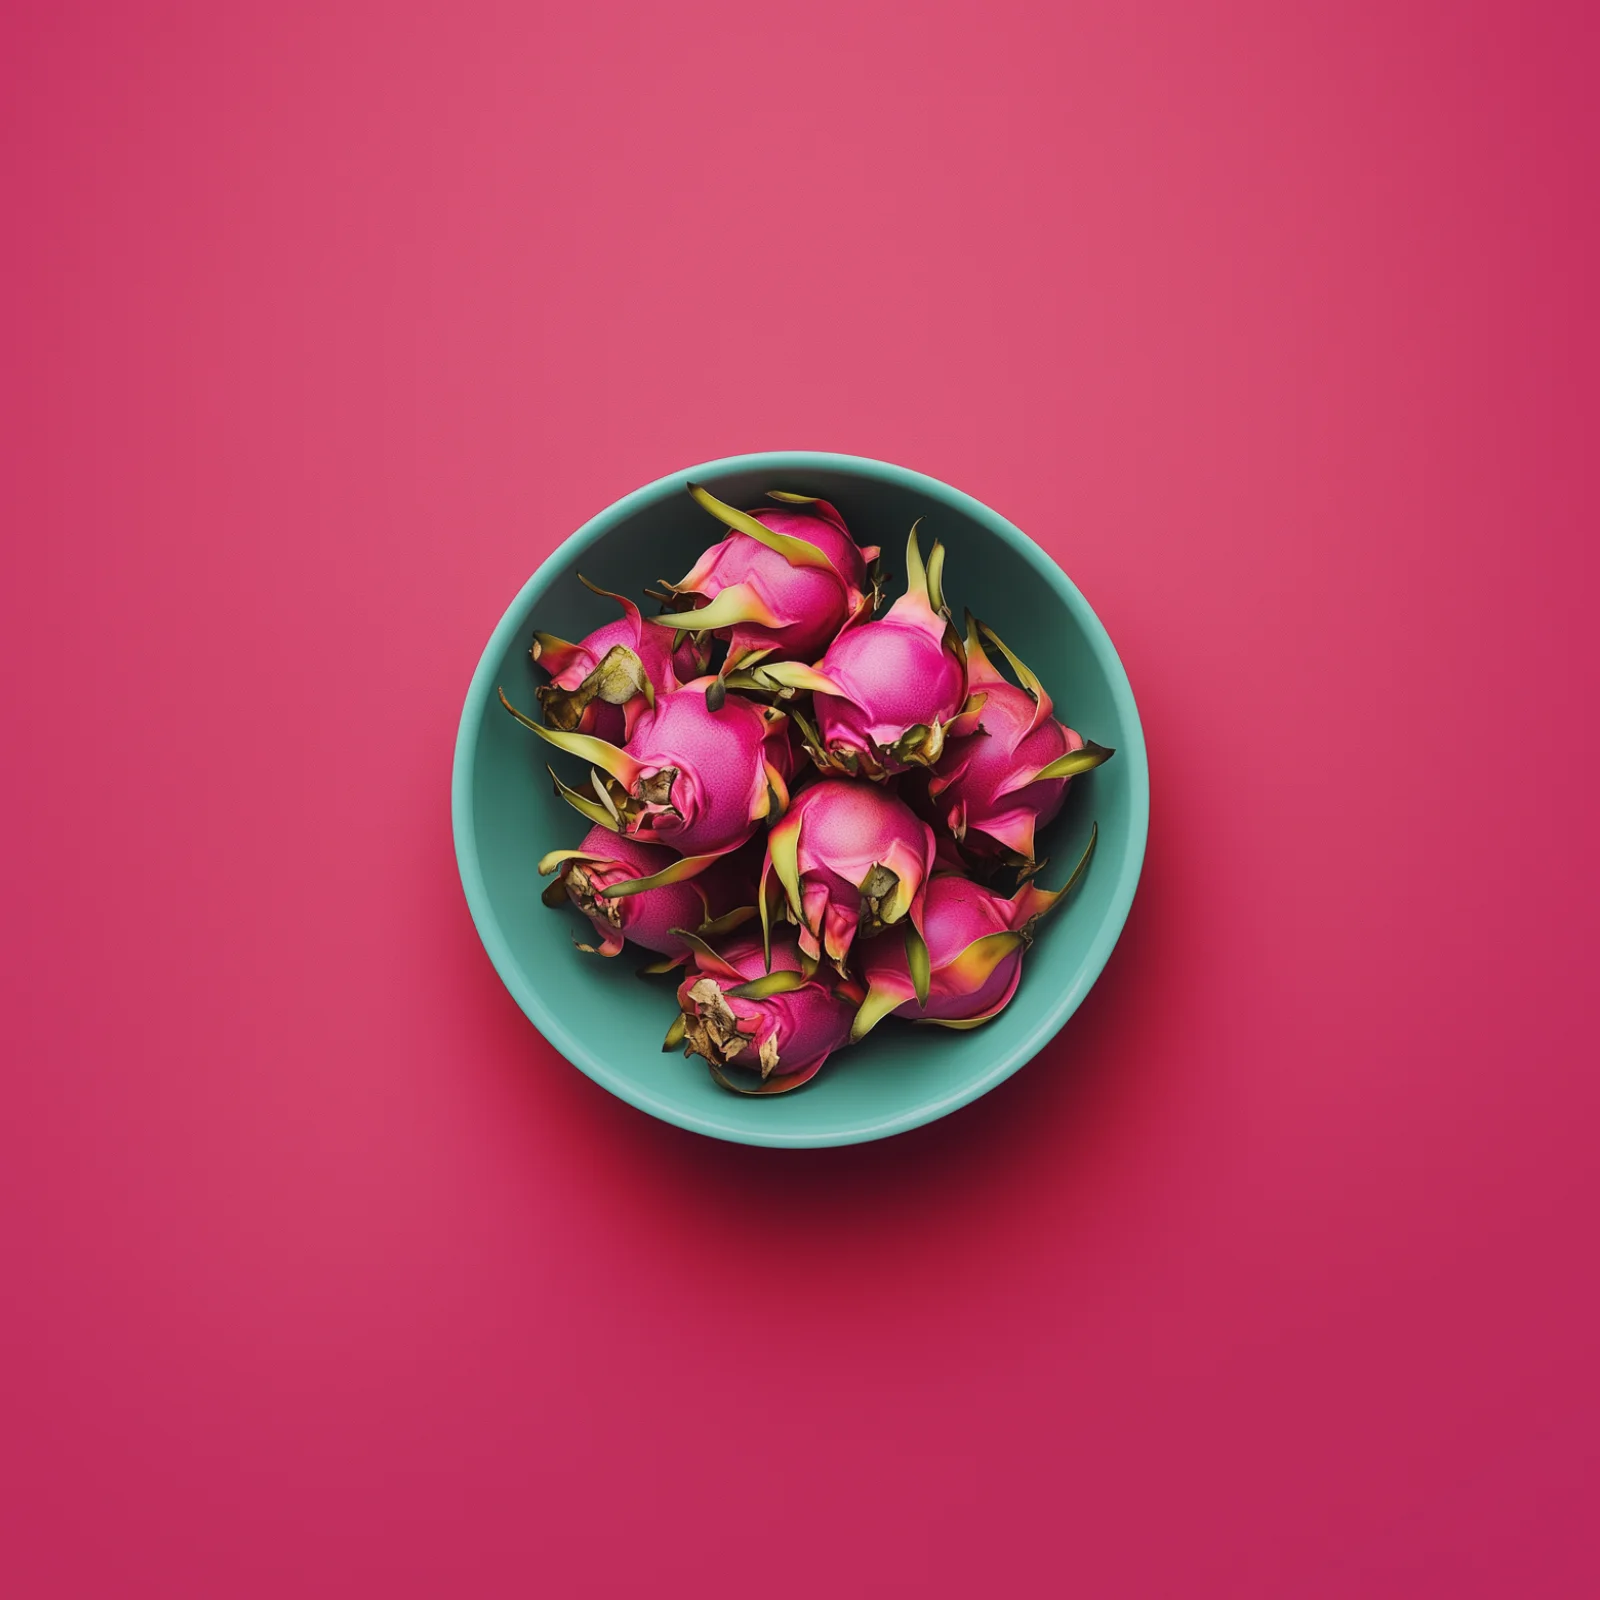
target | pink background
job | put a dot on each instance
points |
(322, 1274)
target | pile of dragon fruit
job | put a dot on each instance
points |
(805, 808)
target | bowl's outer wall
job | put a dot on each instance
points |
(609, 1022)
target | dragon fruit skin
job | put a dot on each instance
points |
(851, 858)
(593, 691)
(695, 779)
(726, 765)
(990, 787)
(888, 693)
(968, 962)
(782, 583)
(651, 919)
(957, 913)
(761, 1031)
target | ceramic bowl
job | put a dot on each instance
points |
(608, 1022)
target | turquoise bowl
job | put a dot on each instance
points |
(608, 1022)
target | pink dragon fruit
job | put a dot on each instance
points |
(780, 586)
(963, 965)
(851, 858)
(996, 786)
(696, 779)
(602, 683)
(761, 1031)
(889, 693)
(711, 904)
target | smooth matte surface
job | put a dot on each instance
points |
(321, 326)
(507, 815)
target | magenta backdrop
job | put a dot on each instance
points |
(323, 1274)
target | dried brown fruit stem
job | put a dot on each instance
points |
(711, 1029)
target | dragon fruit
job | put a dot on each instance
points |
(761, 1031)
(889, 693)
(996, 786)
(851, 859)
(601, 684)
(781, 584)
(713, 903)
(696, 779)
(963, 965)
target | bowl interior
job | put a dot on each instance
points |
(609, 1022)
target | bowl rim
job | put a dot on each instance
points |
(1131, 749)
